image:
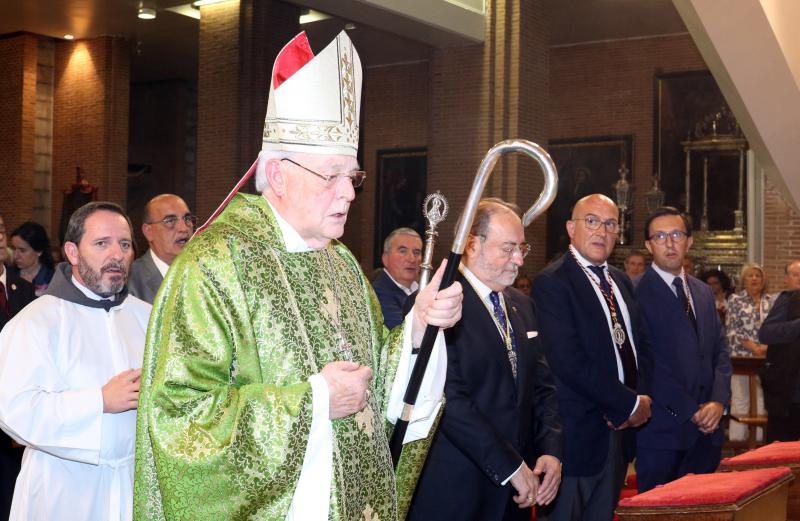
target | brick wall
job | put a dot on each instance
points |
(781, 236)
(608, 89)
(90, 118)
(161, 137)
(394, 110)
(217, 89)
(238, 44)
(17, 119)
(486, 93)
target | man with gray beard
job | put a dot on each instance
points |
(500, 432)
(69, 377)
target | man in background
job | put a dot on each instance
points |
(635, 264)
(168, 225)
(780, 376)
(402, 255)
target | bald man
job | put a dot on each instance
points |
(168, 225)
(593, 338)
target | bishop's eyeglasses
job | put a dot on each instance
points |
(356, 176)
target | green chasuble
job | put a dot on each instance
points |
(238, 327)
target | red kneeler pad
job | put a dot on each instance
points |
(731, 495)
(774, 454)
(779, 453)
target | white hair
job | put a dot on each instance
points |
(261, 168)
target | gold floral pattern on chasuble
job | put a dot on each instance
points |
(225, 409)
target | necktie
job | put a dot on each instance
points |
(677, 282)
(500, 315)
(3, 300)
(626, 355)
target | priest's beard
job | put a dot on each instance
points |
(93, 279)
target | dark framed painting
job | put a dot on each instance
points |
(402, 181)
(585, 166)
(684, 104)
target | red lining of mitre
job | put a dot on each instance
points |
(291, 59)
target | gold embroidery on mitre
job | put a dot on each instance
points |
(344, 131)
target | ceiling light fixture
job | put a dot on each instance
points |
(349, 26)
(198, 3)
(308, 16)
(147, 9)
(69, 37)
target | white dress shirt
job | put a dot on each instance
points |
(623, 310)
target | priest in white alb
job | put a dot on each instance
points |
(270, 384)
(69, 378)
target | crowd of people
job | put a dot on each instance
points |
(254, 371)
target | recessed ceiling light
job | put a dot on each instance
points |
(69, 37)
(349, 26)
(198, 3)
(308, 16)
(147, 9)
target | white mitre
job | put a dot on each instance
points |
(314, 101)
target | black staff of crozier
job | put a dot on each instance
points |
(543, 202)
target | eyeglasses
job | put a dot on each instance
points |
(677, 237)
(593, 222)
(357, 177)
(509, 248)
(171, 220)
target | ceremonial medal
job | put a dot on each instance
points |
(619, 334)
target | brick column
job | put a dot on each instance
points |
(90, 118)
(17, 123)
(483, 94)
(238, 44)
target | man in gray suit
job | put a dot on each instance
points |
(168, 225)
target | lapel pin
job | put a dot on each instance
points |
(13, 287)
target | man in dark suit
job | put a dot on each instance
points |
(167, 226)
(780, 376)
(496, 452)
(15, 293)
(692, 366)
(402, 255)
(591, 332)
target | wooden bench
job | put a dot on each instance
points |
(779, 453)
(750, 495)
(749, 366)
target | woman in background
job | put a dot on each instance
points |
(32, 255)
(747, 310)
(721, 288)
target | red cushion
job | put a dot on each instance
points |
(708, 489)
(779, 452)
